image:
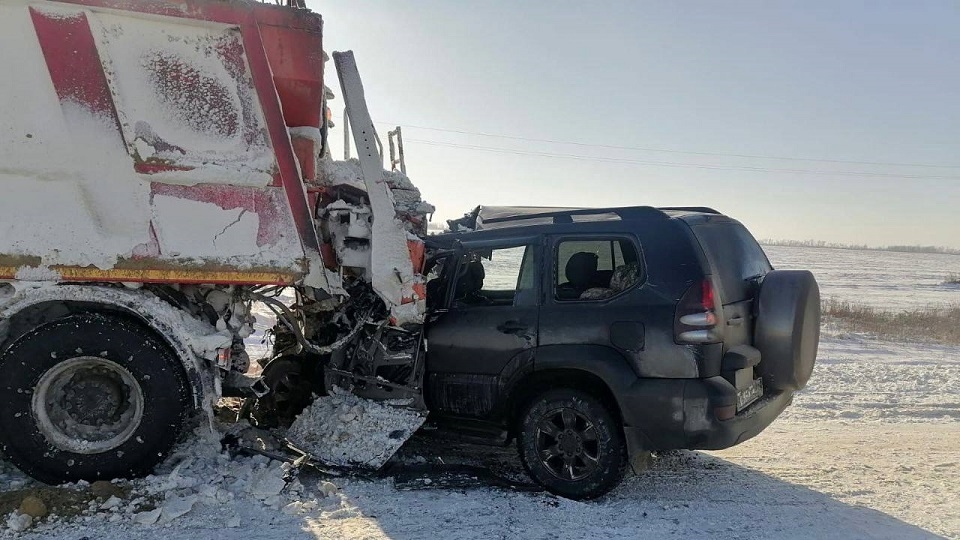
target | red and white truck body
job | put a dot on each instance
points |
(163, 165)
(159, 142)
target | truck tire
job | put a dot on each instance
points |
(571, 444)
(788, 328)
(291, 391)
(88, 397)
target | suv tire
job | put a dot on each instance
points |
(788, 328)
(90, 396)
(571, 444)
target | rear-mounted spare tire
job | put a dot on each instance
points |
(788, 328)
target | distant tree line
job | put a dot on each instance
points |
(835, 245)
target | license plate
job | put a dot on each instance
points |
(749, 394)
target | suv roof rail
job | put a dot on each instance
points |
(504, 215)
(701, 209)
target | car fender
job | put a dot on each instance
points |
(606, 363)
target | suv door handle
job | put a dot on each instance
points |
(736, 321)
(512, 327)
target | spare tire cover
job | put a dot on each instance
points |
(787, 328)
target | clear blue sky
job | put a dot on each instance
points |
(843, 81)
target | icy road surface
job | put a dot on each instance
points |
(870, 450)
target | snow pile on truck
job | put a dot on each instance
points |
(116, 158)
(164, 166)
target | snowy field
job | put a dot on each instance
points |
(882, 279)
(870, 449)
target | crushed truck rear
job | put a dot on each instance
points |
(165, 163)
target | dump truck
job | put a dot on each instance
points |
(164, 166)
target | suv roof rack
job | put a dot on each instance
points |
(490, 215)
(494, 217)
(701, 209)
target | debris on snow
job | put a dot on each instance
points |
(194, 485)
(268, 482)
(18, 522)
(33, 507)
(111, 503)
(176, 507)
(345, 429)
(327, 489)
(105, 489)
(147, 518)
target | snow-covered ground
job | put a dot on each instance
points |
(883, 279)
(870, 449)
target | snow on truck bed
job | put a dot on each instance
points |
(88, 184)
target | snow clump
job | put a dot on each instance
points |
(345, 429)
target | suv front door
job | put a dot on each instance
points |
(487, 329)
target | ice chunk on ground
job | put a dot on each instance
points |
(327, 489)
(148, 518)
(111, 503)
(18, 522)
(268, 482)
(347, 430)
(176, 507)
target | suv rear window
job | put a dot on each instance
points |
(594, 269)
(735, 256)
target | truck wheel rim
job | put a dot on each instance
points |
(568, 444)
(87, 405)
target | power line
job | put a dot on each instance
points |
(669, 151)
(688, 152)
(601, 159)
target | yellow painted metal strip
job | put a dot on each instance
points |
(73, 273)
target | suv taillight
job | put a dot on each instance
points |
(696, 319)
(706, 295)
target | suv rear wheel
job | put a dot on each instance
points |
(571, 444)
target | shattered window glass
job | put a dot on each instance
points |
(505, 276)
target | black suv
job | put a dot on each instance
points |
(595, 336)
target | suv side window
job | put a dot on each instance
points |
(596, 268)
(496, 277)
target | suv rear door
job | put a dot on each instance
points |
(737, 264)
(597, 298)
(487, 328)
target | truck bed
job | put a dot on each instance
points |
(148, 142)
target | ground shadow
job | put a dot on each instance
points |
(683, 495)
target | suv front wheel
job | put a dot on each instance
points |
(571, 444)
